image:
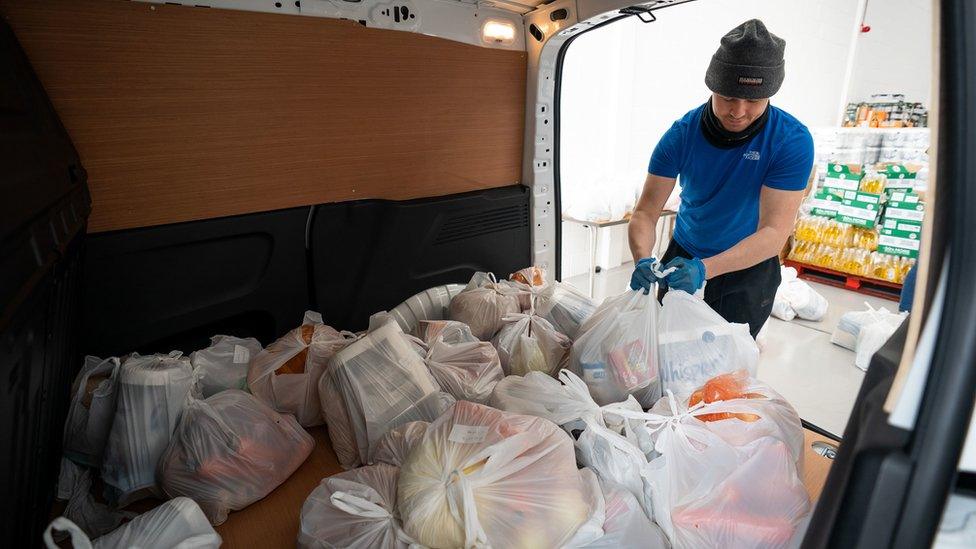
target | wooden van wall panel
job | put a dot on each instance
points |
(182, 113)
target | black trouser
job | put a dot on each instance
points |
(744, 296)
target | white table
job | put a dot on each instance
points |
(594, 226)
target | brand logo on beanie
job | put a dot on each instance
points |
(751, 80)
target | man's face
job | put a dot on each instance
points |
(737, 114)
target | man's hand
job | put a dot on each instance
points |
(643, 277)
(689, 274)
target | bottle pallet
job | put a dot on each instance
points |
(861, 284)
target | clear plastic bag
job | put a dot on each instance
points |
(565, 307)
(176, 524)
(231, 450)
(529, 343)
(805, 302)
(483, 304)
(93, 400)
(224, 364)
(873, 335)
(616, 351)
(625, 523)
(592, 529)
(153, 391)
(512, 482)
(697, 344)
(356, 510)
(397, 443)
(373, 385)
(467, 370)
(94, 518)
(285, 375)
(449, 331)
(850, 323)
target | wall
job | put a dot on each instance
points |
(896, 55)
(623, 86)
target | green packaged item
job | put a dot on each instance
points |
(855, 212)
(843, 176)
(905, 211)
(899, 177)
(868, 198)
(901, 195)
(894, 242)
(824, 203)
(901, 225)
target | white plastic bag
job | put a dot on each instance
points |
(231, 450)
(356, 510)
(397, 443)
(93, 401)
(286, 373)
(481, 477)
(801, 297)
(592, 529)
(153, 391)
(565, 307)
(177, 524)
(873, 335)
(448, 331)
(849, 325)
(709, 493)
(697, 344)
(616, 351)
(626, 524)
(373, 385)
(483, 304)
(529, 343)
(94, 518)
(224, 364)
(467, 370)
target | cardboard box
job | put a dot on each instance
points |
(843, 176)
(824, 203)
(901, 243)
(901, 225)
(855, 212)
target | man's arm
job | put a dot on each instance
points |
(777, 214)
(640, 230)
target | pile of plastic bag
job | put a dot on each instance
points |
(865, 332)
(286, 374)
(231, 450)
(375, 384)
(529, 343)
(795, 298)
(484, 303)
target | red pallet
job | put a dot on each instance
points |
(860, 284)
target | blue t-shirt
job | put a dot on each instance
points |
(720, 187)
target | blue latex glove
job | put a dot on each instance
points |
(643, 277)
(689, 274)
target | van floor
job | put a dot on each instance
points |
(797, 358)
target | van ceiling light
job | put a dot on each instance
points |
(498, 32)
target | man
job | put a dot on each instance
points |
(743, 166)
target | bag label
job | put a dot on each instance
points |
(241, 355)
(594, 373)
(468, 434)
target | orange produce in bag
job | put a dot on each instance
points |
(724, 387)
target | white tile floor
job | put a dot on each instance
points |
(798, 360)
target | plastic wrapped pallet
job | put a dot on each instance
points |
(373, 385)
(153, 391)
(529, 343)
(285, 374)
(697, 344)
(231, 450)
(224, 364)
(92, 409)
(465, 369)
(625, 524)
(483, 304)
(177, 523)
(511, 481)
(356, 510)
(615, 353)
(398, 442)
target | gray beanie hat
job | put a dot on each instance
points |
(748, 64)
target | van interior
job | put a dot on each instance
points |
(172, 171)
